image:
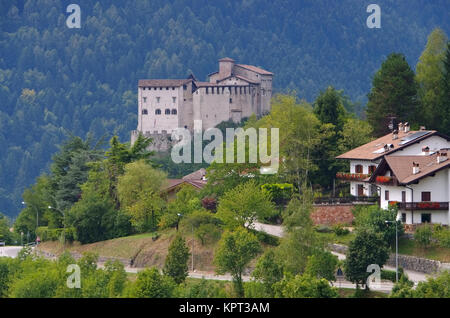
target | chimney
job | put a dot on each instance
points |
(441, 157)
(422, 128)
(400, 127)
(426, 150)
(406, 127)
(416, 168)
(394, 134)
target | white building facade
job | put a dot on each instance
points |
(384, 168)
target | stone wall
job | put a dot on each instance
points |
(413, 263)
(407, 262)
(332, 214)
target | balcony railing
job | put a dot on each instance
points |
(351, 199)
(420, 205)
(352, 176)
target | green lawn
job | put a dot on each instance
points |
(337, 239)
(410, 247)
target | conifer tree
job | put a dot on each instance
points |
(393, 93)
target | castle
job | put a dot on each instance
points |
(234, 92)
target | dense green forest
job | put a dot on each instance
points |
(56, 82)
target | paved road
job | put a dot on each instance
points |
(9, 251)
(277, 230)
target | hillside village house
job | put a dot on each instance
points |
(406, 168)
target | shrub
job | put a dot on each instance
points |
(390, 275)
(280, 193)
(423, 235)
(442, 235)
(323, 229)
(339, 230)
(266, 238)
(209, 204)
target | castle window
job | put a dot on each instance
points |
(160, 88)
(240, 90)
(207, 90)
(235, 90)
(231, 100)
(212, 90)
(144, 112)
(167, 111)
(218, 90)
(173, 88)
(167, 88)
(158, 112)
(223, 89)
(184, 87)
(145, 99)
(174, 99)
(174, 111)
(157, 99)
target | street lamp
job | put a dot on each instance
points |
(37, 213)
(64, 222)
(396, 245)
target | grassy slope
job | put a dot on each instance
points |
(145, 251)
(406, 247)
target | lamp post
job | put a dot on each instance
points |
(64, 222)
(37, 213)
(396, 246)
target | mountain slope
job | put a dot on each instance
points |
(55, 80)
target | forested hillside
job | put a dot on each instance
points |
(56, 81)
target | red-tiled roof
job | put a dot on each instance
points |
(372, 150)
(402, 166)
(255, 69)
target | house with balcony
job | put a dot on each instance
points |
(419, 185)
(364, 160)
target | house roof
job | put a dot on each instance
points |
(255, 69)
(402, 166)
(163, 82)
(196, 175)
(372, 150)
(226, 59)
(173, 183)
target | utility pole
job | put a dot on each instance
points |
(192, 248)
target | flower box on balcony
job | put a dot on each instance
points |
(352, 176)
(383, 179)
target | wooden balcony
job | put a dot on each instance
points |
(417, 206)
